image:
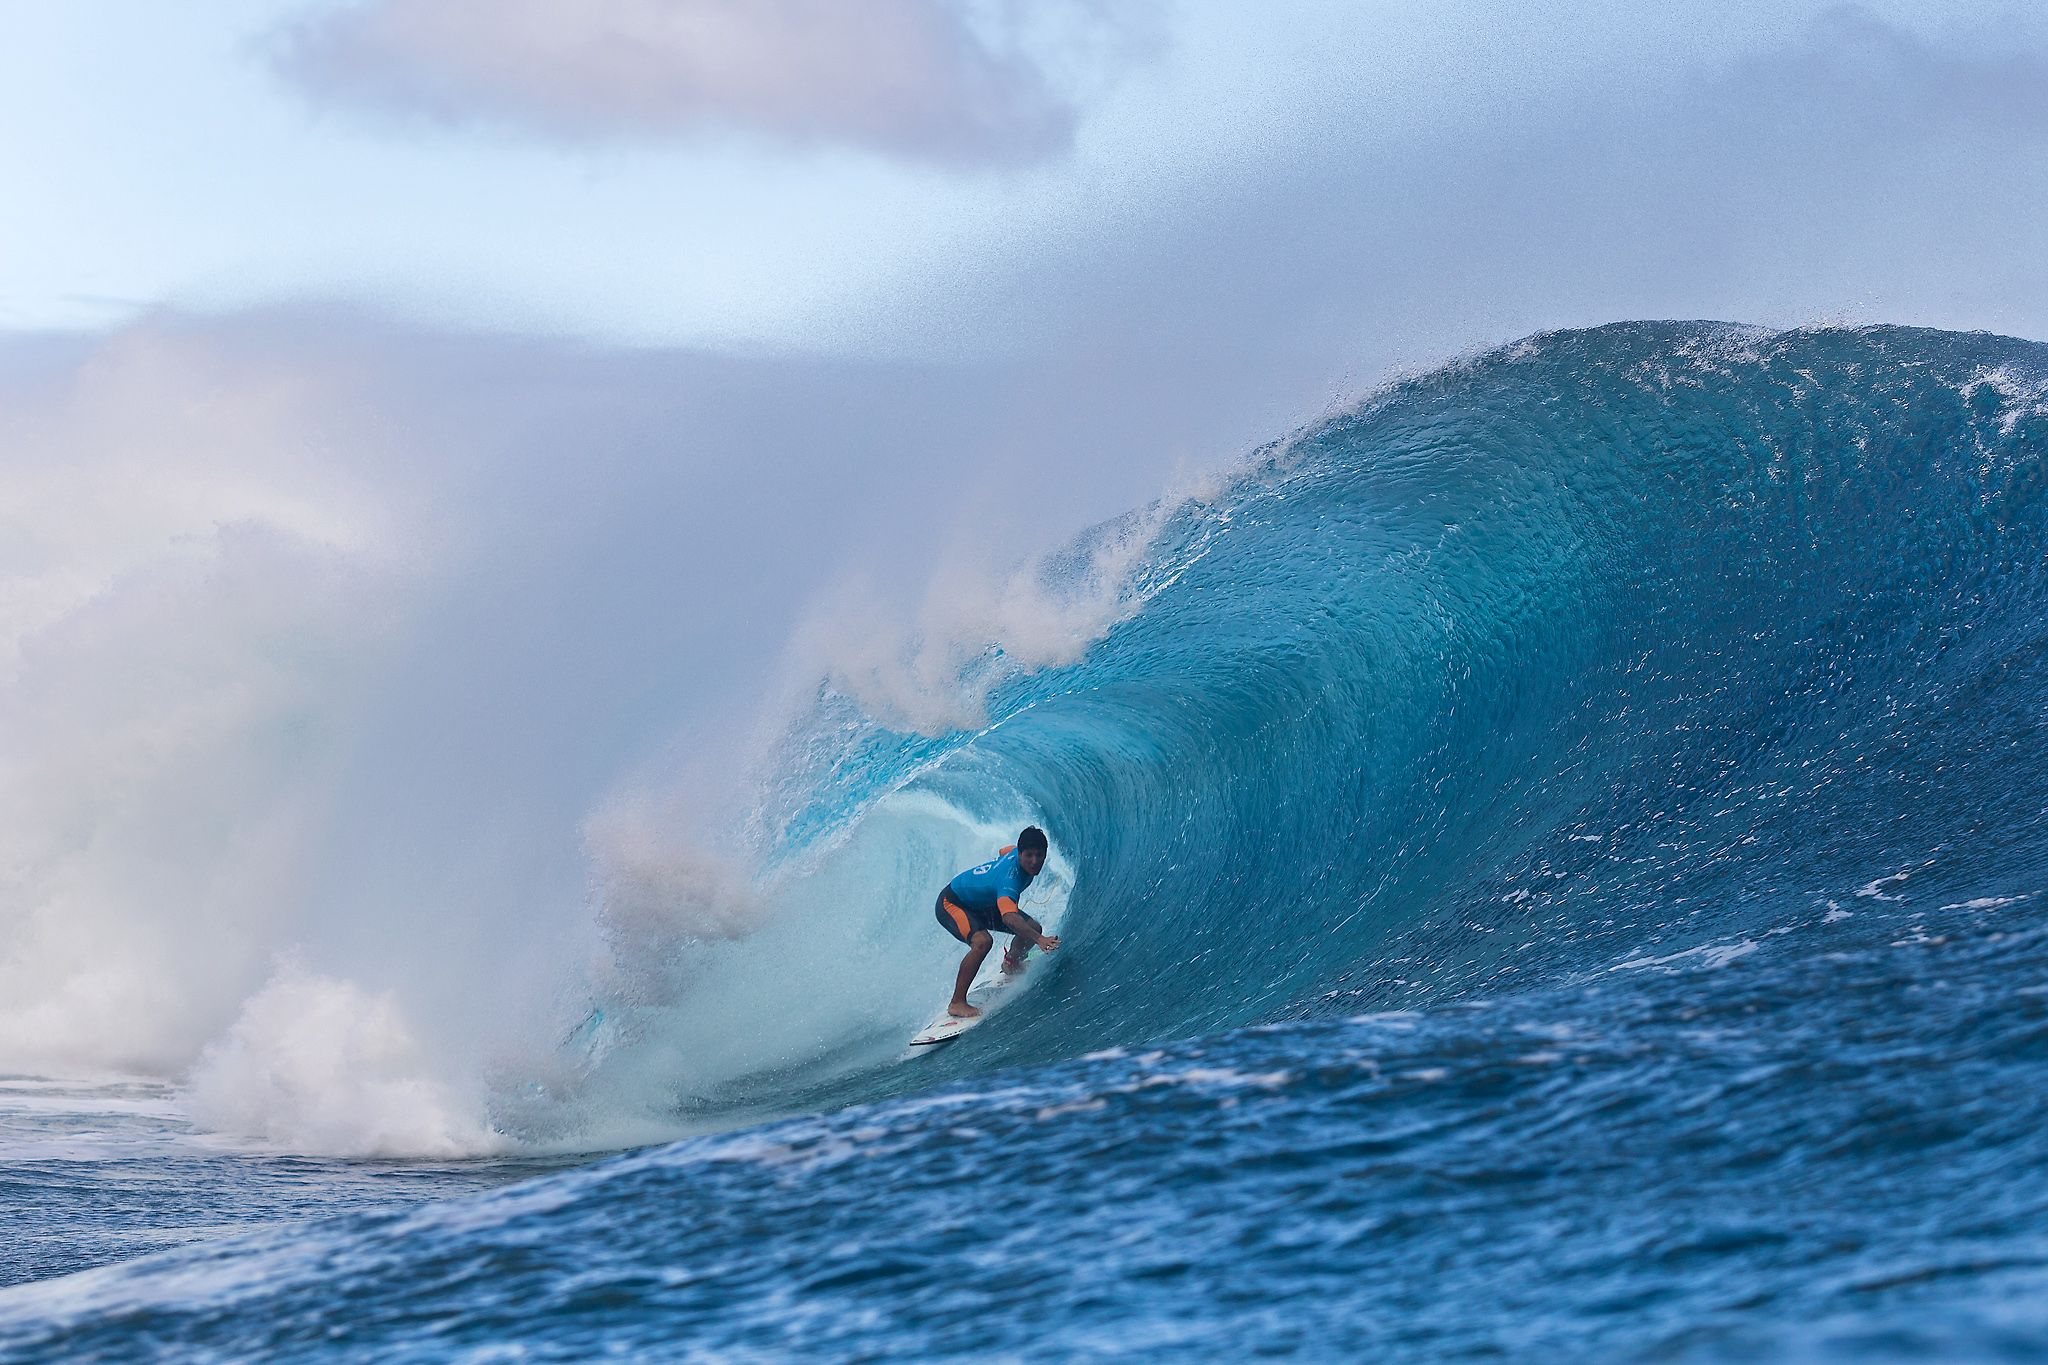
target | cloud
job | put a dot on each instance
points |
(914, 78)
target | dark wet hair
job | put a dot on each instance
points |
(1032, 837)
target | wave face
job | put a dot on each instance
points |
(1586, 806)
(1547, 659)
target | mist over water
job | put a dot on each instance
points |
(366, 723)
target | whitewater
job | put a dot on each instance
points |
(1550, 864)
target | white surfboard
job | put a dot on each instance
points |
(983, 995)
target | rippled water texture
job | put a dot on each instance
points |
(1581, 814)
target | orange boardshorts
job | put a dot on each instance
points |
(961, 922)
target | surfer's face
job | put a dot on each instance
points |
(1031, 860)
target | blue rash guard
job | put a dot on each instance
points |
(980, 890)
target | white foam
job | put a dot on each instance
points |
(321, 1066)
(1710, 957)
(2025, 394)
(1393, 1019)
(931, 670)
(79, 1121)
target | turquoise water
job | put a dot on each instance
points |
(1556, 861)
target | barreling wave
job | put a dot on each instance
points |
(1555, 656)
(1635, 735)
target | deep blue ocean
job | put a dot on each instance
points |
(1557, 872)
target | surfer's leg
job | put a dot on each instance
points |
(1018, 949)
(977, 949)
(953, 919)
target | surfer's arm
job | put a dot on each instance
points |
(1022, 925)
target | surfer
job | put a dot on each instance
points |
(982, 902)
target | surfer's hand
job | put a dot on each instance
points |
(1048, 943)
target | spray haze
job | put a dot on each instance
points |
(348, 654)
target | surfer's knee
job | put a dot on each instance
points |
(980, 940)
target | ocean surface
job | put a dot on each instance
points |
(1552, 867)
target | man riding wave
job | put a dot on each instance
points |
(982, 902)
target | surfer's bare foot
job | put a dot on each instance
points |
(1014, 967)
(960, 1009)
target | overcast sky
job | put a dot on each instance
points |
(809, 174)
